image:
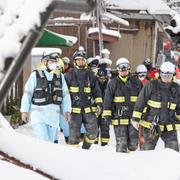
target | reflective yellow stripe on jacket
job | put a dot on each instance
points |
(87, 110)
(116, 122)
(119, 99)
(73, 89)
(169, 127)
(178, 117)
(105, 140)
(133, 98)
(149, 125)
(171, 106)
(107, 113)
(98, 100)
(86, 139)
(76, 110)
(94, 108)
(154, 104)
(87, 89)
(137, 114)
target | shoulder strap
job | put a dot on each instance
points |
(88, 78)
(40, 74)
(174, 90)
(155, 87)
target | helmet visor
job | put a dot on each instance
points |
(142, 74)
(166, 75)
(79, 54)
(52, 57)
(123, 67)
(94, 62)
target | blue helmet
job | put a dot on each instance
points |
(102, 72)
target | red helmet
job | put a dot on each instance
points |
(166, 45)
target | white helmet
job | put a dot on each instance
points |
(89, 60)
(167, 67)
(141, 68)
(66, 60)
(122, 64)
(122, 61)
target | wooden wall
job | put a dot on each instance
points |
(134, 45)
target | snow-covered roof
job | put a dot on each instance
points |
(152, 6)
(104, 31)
(175, 29)
(40, 51)
(68, 163)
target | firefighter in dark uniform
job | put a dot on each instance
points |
(83, 87)
(161, 100)
(102, 77)
(152, 72)
(120, 97)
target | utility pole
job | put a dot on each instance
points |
(99, 25)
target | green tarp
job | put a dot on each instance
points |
(50, 38)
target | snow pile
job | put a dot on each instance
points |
(176, 27)
(10, 171)
(65, 162)
(17, 18)
(4, 123)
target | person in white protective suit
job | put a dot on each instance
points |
(45, 98)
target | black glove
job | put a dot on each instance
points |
(107, 121)
(98, 110)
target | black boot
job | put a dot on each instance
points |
(103, 144)
(121, 144)
(66, 139)
(56, 141)
(86, 145)
(96, 142)
(82, 136)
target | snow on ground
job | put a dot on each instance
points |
(10, 171)
(68, 163)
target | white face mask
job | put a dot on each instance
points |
(53, 66)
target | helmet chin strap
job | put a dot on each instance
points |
(48, 70)
(81, 67)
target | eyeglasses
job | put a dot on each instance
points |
(53, 56)
(123, 67)
(166, 75)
